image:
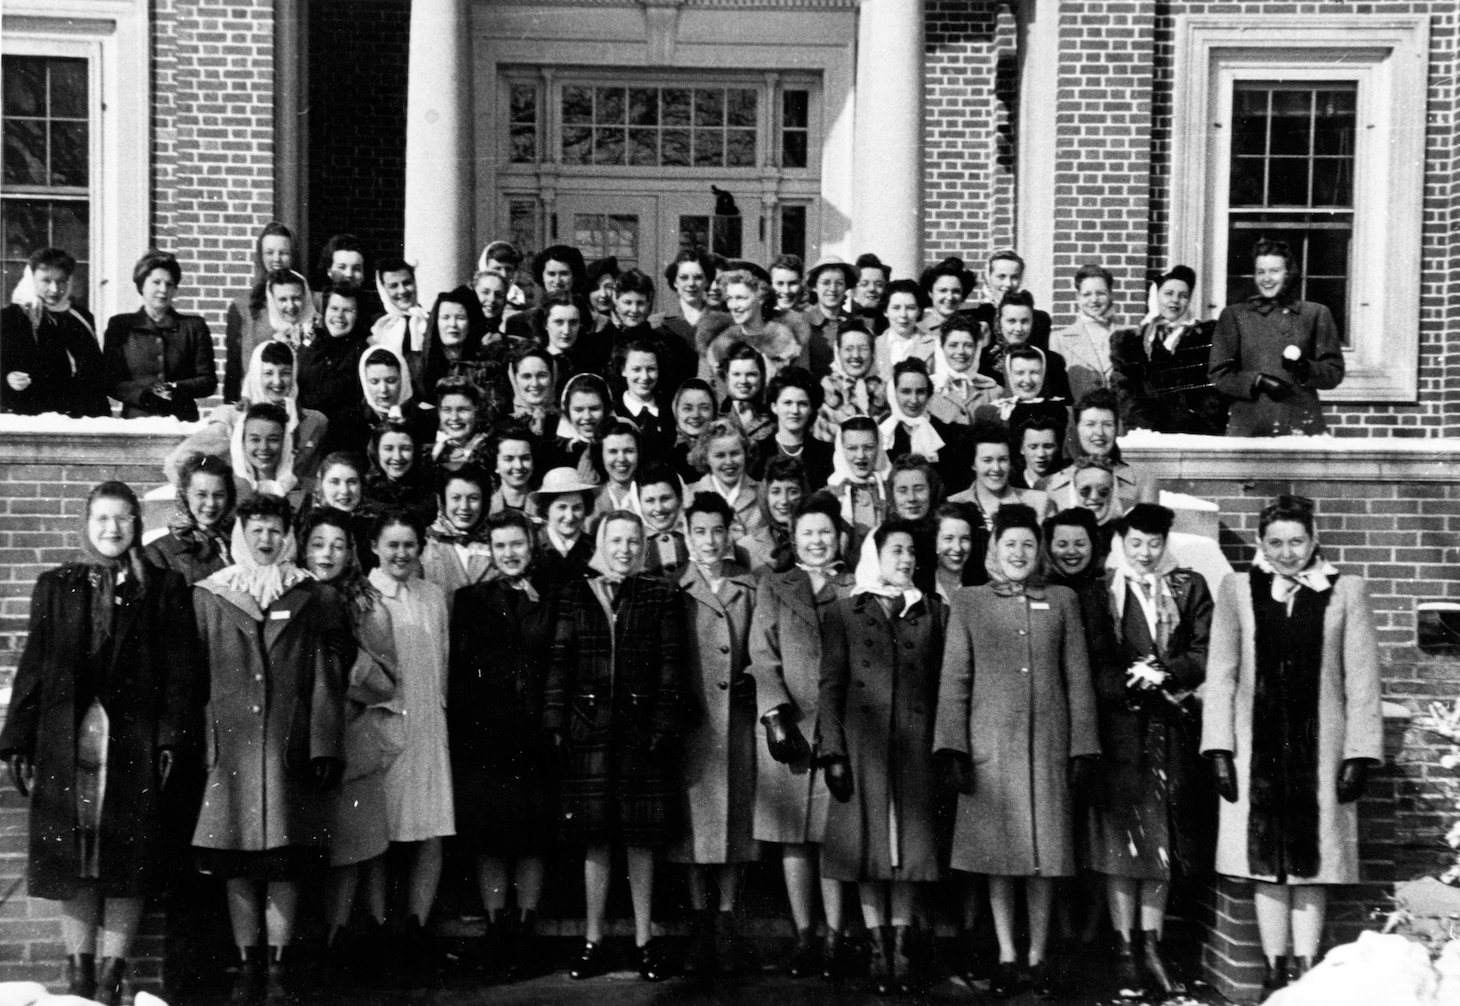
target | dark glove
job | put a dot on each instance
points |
(327, 773)
(742, 689)
(1082, 775)
(1353, 779)
(784, 740)
(661, 746)
(165, 759)
(153, 402)
(22, 772)
(558, 749)
(1300, 368)
(1273, 387)
(957, 768)
(838, 773)
(1224, 774)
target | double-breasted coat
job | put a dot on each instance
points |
(878, 693)
(785, 661)
(1015, 695)
(275, 703)
(138, 353)
(1350, 720)
(614, 684)
(1249, 342)
(501, 644)
(144, 683)
(717, 771)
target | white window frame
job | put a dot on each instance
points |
(113, 38)
(1388, 56)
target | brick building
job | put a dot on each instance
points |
(1135, 133)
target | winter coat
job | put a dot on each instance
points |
(145, 685)
(193, 563)
(1249, 342)
(613, 685)
(441, 564)
(275, 703)
(785, 653)
(138, 353)
(878, 694)
(1164, 390)
(1015, 695)
(749, 518)
(216, 438)
(62, 358)
(1350, 720)
(327, 371)
(244, 328)
(1087, 366)
(501, 645)
(717, 771)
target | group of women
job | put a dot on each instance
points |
(851, 586)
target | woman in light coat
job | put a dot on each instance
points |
(785, 653)
(1016, 728)
(718, 768)
(1292, 649)
(457, 554)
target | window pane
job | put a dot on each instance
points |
(524, 144)
(26, 226)
(524, 102)
(795, 109)
(25, 85)
(740, 148)
(1333, 183)
(1292, 122)
(522, 225)
(694, 233)
(25, 152)
(643, 107)
(741, 108)
(709, 149)
(676, 148)
(611, 105)
(644, 147)
(577, 105)
(709, 107)
(793, 150)
(71, 227)
(608, 146)
(676, 107)
(1246, 185)
(727, 237)
(577, 145)
(793, 230)
(68, 153)
(1287, 181)
(68, 88)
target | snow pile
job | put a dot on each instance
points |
(1150, 440)
(54, 422)
(1376, 970)
(35, 994)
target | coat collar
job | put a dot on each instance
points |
(694, 583)
(793, 587)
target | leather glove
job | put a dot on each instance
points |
(1300, 369)
(1224, 773)
(1082, 775)
(22, 773)
(165, 760)
(327, 773)
(661, 746)
(784, 740)
(1273, 387)
(559, 751)
(153, 402)
(838, 773)
(1353, 779)
(957, 768)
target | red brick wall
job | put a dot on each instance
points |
(358, 53)
(212, 145)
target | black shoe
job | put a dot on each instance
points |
(81, 975)
(805, 958)
(250, 981)
(591, 963)
(1045, 980)
(524, 958)
(1157, 973)
(109, 981)
(832, 949)
(699, 956)
(493, 946)
(727, 943)
(1127, 971)
(1300, 966)
(881, 978)
(1005, 980)
(651, 962)
(278, 986)
(418, 959)
(904, 959)
(1274, 976)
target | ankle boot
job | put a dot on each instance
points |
(727, 943)
(1274, 975)
(81, 975)
(1127, 969)
(904, 954)
(249, 982)
(1157, 973)
(109, 981)
(831, 955)
(880, 977)
(1300, 967)
(699, 954)
(278, 981)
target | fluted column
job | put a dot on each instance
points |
(887, 177)
(439, 146)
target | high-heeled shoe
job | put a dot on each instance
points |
(1127, 970)
(250, 980)
(1274, 975)
(1158, 974)
(881, 980)
(1044, 980)
(904, 959)
(699, 957)
(805, 958)
(81, 975)
(109, 981)
(591, 963)
(651, 962)
(831, 955)
(1299, 967)
(1005, 980)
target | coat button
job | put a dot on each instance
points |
(724, 685)
(866, 663)
(258, 709)
(258, 677)
(1023, 670)
(1023, 632)
(724, 649)
(719, 614)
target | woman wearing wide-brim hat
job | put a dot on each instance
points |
(563, 504)
(828, 280)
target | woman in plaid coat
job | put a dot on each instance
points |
(612, 709)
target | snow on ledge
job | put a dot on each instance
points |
(65, 426)
(1178, 456)
(1149, 440)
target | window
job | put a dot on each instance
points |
(700, 127)
(795, 128)
(713, 235)
(1303, 128)
(793, 230)
(522, 226)
(46, 195)
(599, 235)
(1292, 179)
(522, 123)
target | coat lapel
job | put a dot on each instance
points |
(793, 588)
(281, 615)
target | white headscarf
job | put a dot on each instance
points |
(284, 478)
(1175, 329)
(296, 333)
(407, 392)
(922, 438)
(397, 330)
(252, 389)
(599, 562)
(869, 581)
(1317, 575)
(843, 478)
(26, 295)
(265, 584)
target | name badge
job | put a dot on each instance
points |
(279, 616)
(1039, 605)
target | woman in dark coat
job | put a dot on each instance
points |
(386, 394)
(880, 653)
(98, 715)
(1016, 728)
(1273, 353)
(1152, 818)
(273, 734)
(328, 371)
(400, 475)
(158, 361)
(49, 357)
(791, 799)
(1161, 367)
(613, 708)
(501, 642)
(196, 543)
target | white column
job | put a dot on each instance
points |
(887, 182)
(1038, 105)
(439, 147)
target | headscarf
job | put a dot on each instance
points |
(1032, 585)
(298, 333)
(113, 578)
(857, 390)
(397, 330)
(944, 374)
(922, 437)
(566, 430)
(1154, 326)
(352, 584)
(843, 479)
(869, 581)
(435, 364)
(265, 584)
(1152, 590)
(534, 415)
(691, 384)
(443, 530)
(407, 392)
(184, 526)
(284, 478)
(29, 299)
(1318, 576)
(253, 392)
(599, 563)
